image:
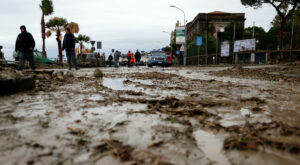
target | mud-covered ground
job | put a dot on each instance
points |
(153, 116)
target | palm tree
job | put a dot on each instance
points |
(47, 9)
(82, 39)
(56, 25)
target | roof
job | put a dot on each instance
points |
(218, 12)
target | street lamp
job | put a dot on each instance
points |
(181, 11)
(185, 45)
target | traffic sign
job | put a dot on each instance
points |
(182, 48)
(199, 41)
(99, 45)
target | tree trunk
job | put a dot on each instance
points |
(59, 47)
(43, 35)
(280, 33)
(81, 48)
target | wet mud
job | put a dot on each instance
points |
(151, 116)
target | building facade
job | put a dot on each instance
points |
(212, 23)
(209, 24)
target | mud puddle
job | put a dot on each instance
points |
(211, 146)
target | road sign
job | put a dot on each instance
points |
(225, 49)
(199, 41)
(182, 48)
(244, 45)
(180, 35)
(99, 45)
(93, 43)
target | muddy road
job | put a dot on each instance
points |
(184, 116)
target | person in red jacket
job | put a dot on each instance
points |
(129, 58)
(132, 60)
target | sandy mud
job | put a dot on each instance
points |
(161, 116)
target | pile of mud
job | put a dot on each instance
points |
(276, 73)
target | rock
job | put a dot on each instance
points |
(98, 73)
(60, 75)
(40, 76)
(237, 67)
(281, 81)
(69, 74)
(11, 82)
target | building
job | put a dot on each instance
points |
(209, 24)
(212, 22)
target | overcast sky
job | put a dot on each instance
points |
(120, 24)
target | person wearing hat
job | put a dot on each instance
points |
(69, 47)
(24, 46)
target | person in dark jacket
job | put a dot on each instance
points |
(116, 58)
(110, 58)
(137, 57)
(69, 46)
(24, 46)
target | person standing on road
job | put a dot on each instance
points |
(132, 59)
(137, 57)
(110, 58)
(116, 58)
(129, 58)
(69, 46)
(24, 46)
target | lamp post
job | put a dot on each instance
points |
(181, 11)
(185, 44)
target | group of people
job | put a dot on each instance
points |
(114, 56)
(132, 58)
(25, 45)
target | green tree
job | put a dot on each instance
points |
(166, 49)
(56, 25)
(229, 30)
(47, 9)
(82, 39)
(284, 8)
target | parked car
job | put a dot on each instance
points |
(90, 60)
(158, 58)
(38, 57)
(123, 60)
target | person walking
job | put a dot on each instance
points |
(69, 47)
(110, 58)
(137, 57)
(116, 58)
(24, 46)
(129, 58)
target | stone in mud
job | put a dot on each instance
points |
(98, 73)
(69, 74)
(60, 75)
(11, 82)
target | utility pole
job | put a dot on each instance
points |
(253, 31)
(233, 43)
(206, 29)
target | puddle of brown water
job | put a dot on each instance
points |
(211, 146)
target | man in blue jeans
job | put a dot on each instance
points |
(69, 46)
(24, 46)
